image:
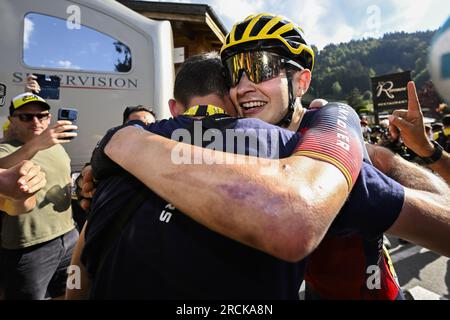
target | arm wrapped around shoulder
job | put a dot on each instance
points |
(102, 165)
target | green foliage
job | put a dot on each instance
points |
(336, 88)
(351, 65)
(355, 100)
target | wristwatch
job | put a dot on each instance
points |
(437, 154)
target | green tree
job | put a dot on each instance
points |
(336, 88)
(123, 64)
(352, 64)
(355, 100)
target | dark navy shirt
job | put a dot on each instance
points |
(163, 254)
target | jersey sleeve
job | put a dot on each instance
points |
(373, 206)
(334, 136)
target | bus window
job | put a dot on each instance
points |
(49, 43)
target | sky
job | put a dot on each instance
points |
(336, 21)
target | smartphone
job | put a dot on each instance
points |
(70, 114)
(49, 86)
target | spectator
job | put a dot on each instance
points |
(365, 129)
(37, 246)
(376, 134)
(409, 125)
(139, 112)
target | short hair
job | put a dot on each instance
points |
(132, 109)
(200, 75)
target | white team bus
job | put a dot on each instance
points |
(105, 55)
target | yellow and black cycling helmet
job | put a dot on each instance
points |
(268, 32)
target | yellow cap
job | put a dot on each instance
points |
(24, 99)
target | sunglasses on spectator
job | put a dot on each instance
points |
(259, 66)
(28, 117)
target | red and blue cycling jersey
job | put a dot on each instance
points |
(350, 262)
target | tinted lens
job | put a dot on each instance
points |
(258, 65)
(42, 116)
(27, 117)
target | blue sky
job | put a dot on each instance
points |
(335, 21)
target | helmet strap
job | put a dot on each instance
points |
(291, 107)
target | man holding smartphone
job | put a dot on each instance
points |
(36, 248)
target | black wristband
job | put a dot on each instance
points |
(437, 154)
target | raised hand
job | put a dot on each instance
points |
(32, 85)
(55, 134)
(409, 124)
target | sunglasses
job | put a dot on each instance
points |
(27, 117)
(259, 66)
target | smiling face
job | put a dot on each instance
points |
(268, 100)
